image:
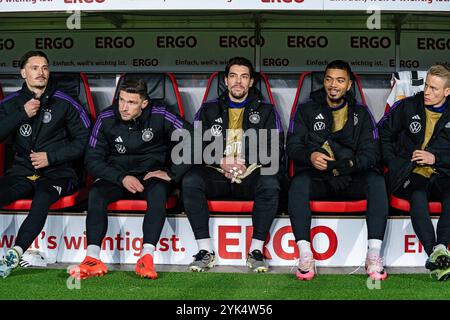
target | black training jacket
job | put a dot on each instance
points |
(310, 127)
(258, 114)
(118, 148)
(61, 128)
(402, 131)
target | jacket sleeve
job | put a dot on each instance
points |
(96, 157)
(181, 162)
(200, 122)
(10, 118)
(78, 126)
(441, 150)
(389, 128)
(275, 141)
(367, 153)
(301, 143)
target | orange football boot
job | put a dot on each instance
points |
(145, 268)
(90, 267)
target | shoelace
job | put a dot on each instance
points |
(307, 265)
(442, 247)
(433, 273)
(378, 262)
(297, 265)
(359, 267)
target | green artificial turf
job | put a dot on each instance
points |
(52, 284)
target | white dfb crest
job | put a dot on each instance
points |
(47, 117)
(147, 135)
(254, 118)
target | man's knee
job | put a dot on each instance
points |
(300, 183)
(375, 184)
(375, 179)
(419, 197)
(46, 193)
(158, 186)
(193, 179)
(268, 184)
(12, 189)
(157, 189)
(97, 196)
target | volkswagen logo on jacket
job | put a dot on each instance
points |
(415, 127)
(121, 148)
(25, 130)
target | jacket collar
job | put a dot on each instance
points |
(48, 92)
(441, 109)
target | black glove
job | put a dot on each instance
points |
(341, 167)
(339, 183)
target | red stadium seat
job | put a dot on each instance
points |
(216, 86)
(309, 82)
(75, 85)
(162, 87)
(403, 205)
(138, 205)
